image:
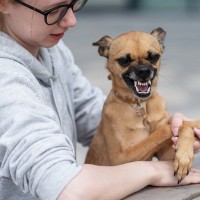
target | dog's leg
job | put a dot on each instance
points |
(167, 152)
(97, 153)
(184, 154)
(145, 149)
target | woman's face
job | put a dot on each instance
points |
(28, 27)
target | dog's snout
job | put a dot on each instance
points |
(144, 72)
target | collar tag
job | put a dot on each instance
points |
(139, 110)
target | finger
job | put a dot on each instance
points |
(177, 116)
(176, 121)
(195, 170)
(174, 140)
(196, 146)
(197, 132)
(193, 177)
(175, 130)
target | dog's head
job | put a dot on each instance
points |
(133, 60)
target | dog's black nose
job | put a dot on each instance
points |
(144, 72)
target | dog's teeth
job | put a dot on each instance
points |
(137, 89)
(135, 83)
(138, 86)
(140, 83)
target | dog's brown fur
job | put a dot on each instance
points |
(133, 126)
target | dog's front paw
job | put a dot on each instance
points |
(184, 154)
(183, 163)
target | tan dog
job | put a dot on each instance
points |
(134, 123)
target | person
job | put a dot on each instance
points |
(46, 105)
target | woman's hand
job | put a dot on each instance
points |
(176, 121)
(165, 175)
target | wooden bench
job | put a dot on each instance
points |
(189, 192)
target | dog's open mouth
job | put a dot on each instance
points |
(139, 82)
(142, 88)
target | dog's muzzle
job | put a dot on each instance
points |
(139, 79)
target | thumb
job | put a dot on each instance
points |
(176, 121)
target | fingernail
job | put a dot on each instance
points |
(179, 181)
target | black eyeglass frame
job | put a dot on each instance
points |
(46, 12)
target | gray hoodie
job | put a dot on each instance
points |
(45, 107)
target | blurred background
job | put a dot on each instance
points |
(179, 79)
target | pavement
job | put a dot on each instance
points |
(179, 80)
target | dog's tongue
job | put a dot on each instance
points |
(142, 88)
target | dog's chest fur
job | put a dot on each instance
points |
(121, 126)
(137, 115)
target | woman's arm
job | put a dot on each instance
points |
(34, 154)
(116, 182)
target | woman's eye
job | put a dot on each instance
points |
(153, 57)
(54, 12)
(124, 61)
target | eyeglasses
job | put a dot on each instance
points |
(54, 15)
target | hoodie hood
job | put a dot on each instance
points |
(10, 49)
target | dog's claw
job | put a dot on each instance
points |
(182, 166)
(179, 181)
(175, 172)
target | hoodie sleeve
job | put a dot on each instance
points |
(33, 151)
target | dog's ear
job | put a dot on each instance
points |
(104, 45)
(160, 34)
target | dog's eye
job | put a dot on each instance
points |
(124, 61)
(153, 57)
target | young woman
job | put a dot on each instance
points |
(46, 106)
